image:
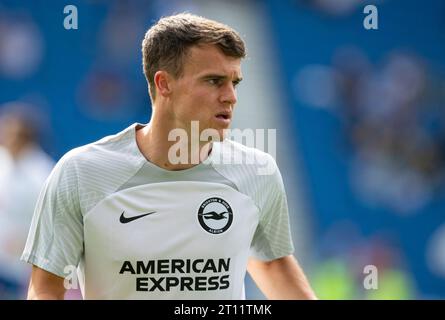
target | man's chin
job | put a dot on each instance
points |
(214, 134)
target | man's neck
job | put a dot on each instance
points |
(153, 143)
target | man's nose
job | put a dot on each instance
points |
(228, 95)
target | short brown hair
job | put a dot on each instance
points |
(166, 43)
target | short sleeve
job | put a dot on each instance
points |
(55, 238)
(272, 238)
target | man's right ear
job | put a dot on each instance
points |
(162, 82)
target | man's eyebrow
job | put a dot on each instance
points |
(219, 76)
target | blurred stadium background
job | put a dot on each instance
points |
(360, 119)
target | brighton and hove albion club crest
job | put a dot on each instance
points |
(215, 215)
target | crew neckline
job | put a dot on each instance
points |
(207, 162)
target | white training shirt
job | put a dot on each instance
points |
(137, 231)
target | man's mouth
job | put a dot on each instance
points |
(224, 115)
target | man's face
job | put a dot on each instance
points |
(206, 90)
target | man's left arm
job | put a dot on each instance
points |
(280, 278)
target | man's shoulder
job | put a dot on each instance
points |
(234, 153)
(250, 169)
(254, 172)
(118, 147)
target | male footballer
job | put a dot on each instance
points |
(137, 223)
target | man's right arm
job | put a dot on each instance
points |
(56, 232)
(44, 285)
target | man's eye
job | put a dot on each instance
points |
(235, 83)
(214, 81)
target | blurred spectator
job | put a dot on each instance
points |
(24, 166)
